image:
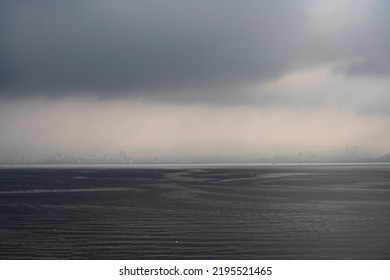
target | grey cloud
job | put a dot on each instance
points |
(120, 47)
(366, 67)
(168, 49)
(378, 106)
(368, 44)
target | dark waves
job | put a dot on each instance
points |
(263, 212)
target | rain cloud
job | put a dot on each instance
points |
(182, 51)
(193, 76)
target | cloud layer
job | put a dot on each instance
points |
(182, 51)
(185, 76)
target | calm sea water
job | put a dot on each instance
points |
(195, 212)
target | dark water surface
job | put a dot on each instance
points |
(195, 212)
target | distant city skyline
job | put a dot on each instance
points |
(351, 154)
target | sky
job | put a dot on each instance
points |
(193, 77)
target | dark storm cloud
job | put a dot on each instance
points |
(114, 47)
(117, 48)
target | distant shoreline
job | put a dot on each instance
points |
(181, 165)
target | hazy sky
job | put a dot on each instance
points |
(199, 76)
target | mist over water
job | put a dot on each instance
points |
(195, 212)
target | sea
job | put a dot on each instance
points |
(147, 212)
